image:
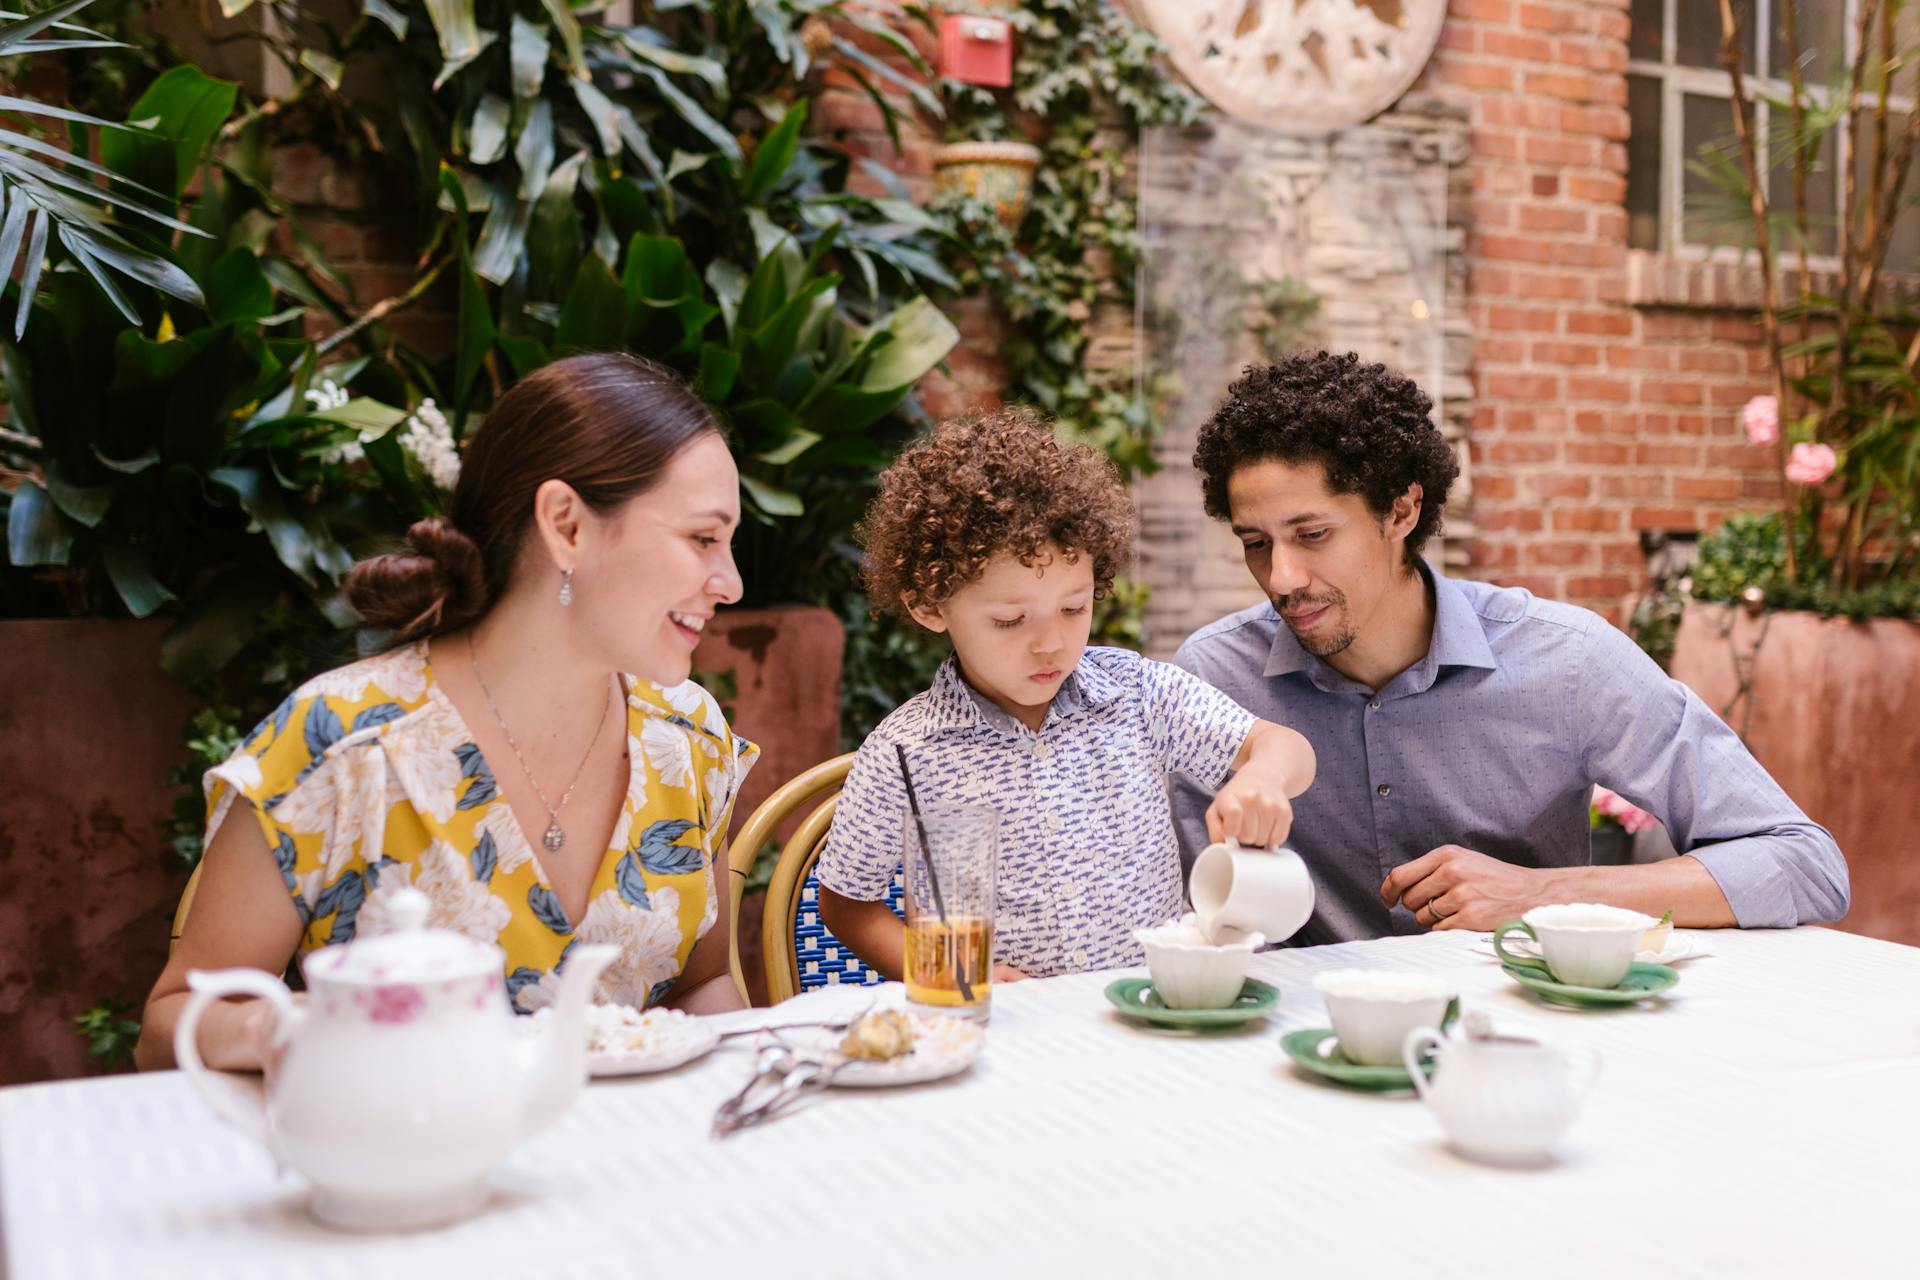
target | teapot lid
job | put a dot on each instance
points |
(407, 952)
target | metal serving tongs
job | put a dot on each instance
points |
(780, 1076)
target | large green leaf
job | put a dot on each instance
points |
(36, 534)
(533, 152)
(130, 566)
(694, 114)
(368, 416)
(218, 622)
(527, 48)
(569, 28)
(602, 112)
(774, 154)
(594, 315)
(456, 28)
(239, 290)
(841, 407)
(187, 107)
(771, 498)
(15, 34)
(487, 130)
(261, 498)
(922, 336)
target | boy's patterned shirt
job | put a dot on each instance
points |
(1087, 850)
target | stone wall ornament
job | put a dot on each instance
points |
(1298, 66)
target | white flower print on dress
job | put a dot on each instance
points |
(689, 699)
(667, 751)
(456, 901)
(401, 675)
(345, 801)
(428, 768)
(649, 944)
(510, 848)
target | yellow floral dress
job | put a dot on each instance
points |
(366, 781)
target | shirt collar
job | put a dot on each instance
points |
(1458, 641)
(953, 704)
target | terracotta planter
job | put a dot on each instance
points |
(1834, 715)
(89, 727)
(998, 172)
(785, 667)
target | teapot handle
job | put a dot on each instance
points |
(1417, 1039)
(247, 1115)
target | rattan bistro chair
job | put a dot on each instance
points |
(796, 948)
(186, 905)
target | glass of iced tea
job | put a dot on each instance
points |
(951, 856)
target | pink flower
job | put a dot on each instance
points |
(1761, 418)
(1810, 464)
(1630, 816)
(396, 1005)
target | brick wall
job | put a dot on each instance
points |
(1607, 382)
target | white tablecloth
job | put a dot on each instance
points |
(1761, 1122)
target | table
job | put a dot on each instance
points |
(1761, 1121)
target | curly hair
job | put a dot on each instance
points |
(980, 486)
(1367, 425)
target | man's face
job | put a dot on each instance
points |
(1323, 558)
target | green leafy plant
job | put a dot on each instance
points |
(109, 1033)
(1844, 416)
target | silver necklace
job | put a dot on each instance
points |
(553, 838)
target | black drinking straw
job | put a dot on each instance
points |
(933, 877)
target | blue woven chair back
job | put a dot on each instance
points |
(822, 958)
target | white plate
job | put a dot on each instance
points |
(670, 1039)
(942, 1047)
(1680, 946)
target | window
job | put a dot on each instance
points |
(1679, 98)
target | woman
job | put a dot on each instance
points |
(497, 758)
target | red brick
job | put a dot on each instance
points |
(1566, 353)
(1552, 217)
(1663, 518)
(1710, 360)
(1559, 84)
(1592, 388)
(1729, 395)
(1557, 555)
(1599, 586)
(1522, 451)
(1488, 281)
(1494, 488)
(1657, 391)
(1586, 520)
(1633, 486)
(1667, 455)
(298, 171)
(1580, 453)
(1518, 112)
(1590, 422)
(1623, 555)
(1610, 224)
(1512, 44)
(1607, 189)
(1635, 356)
(1495, 555)
(1455, 38)
(1520, 386)
(1552, 284)
(1576, 152)
(1618, 324)
(1495, 144)
(1612, 24)
(1690, 424)
(1488, 11)
(1546, 184)
(1559, 485)
(1542, 17)
(1523, 319)
(1491, 215)
(1479, 75)
(1492, 350)
(1730, 329)
(1706, 488)
(1673, 324)
(1755, 484)
(1604, 122)
(1510, 520)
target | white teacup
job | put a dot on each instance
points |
(1583, 944)
(1374, 1010)
(1251, 890)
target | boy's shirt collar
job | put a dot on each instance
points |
(953, 704)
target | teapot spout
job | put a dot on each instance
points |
(554, 1064)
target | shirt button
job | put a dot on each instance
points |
(1053, 822)
(1383, 790)
(1079, 959)
(1039, 750)
(1374, 705)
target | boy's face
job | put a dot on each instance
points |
(1323, 558)
(1019, 630)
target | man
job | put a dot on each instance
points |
(1460, 727)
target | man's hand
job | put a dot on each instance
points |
(1007, 973)
(1252, 808)
(1456, 888)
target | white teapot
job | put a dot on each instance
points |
(1503, 1099)
(404, 1079)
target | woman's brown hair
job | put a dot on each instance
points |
(606, 424)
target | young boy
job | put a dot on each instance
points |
(999, 536)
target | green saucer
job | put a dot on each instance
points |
(1310, 1049)
(1136, 998)
(1642, 980)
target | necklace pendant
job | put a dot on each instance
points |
(554, 837)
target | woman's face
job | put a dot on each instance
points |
(651, 574)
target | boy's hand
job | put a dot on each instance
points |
(1250, 809)
(1007, 973)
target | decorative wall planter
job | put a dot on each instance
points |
(89, 726)
(998, 172)
(1832, 709)
(785, 667)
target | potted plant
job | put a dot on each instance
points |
(1802, 628)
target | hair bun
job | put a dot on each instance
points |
(438, 583)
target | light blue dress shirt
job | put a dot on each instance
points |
(1494, 741)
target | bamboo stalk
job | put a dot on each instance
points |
(1769, 287)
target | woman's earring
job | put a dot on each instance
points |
(566, 587)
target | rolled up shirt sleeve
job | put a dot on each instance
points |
(1197, 729)
(1651, 739)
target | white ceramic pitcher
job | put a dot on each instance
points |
(1503, 1099)
(404, 1080)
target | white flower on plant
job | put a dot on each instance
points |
(427, 438)
(328, 395)
(668, 752)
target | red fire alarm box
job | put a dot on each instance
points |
(976, 50)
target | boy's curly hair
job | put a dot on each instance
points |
(982, 485)
(1367, 425)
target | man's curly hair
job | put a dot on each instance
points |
(982, 485)
(1367, 425)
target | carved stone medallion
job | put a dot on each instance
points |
(1300, 66)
